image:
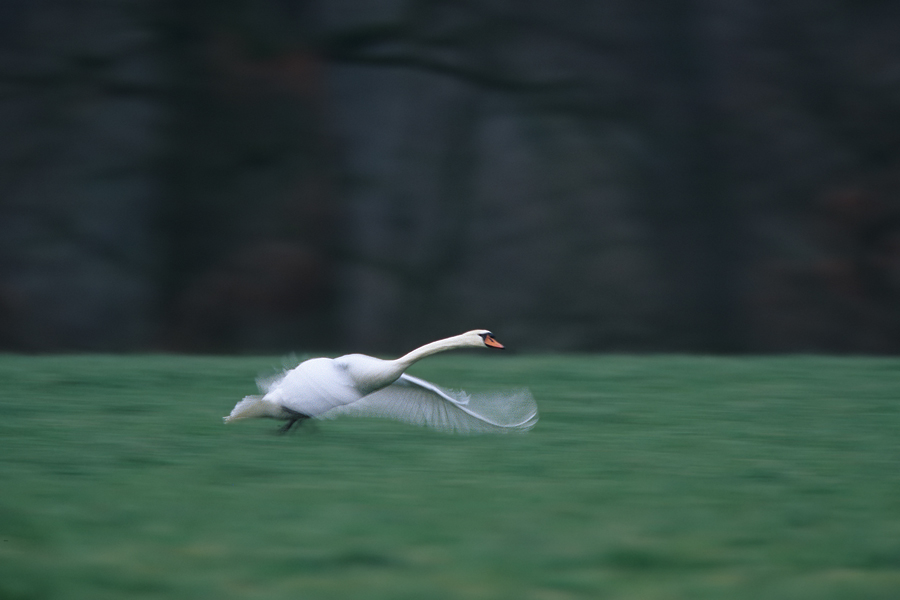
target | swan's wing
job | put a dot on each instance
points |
(418, 402)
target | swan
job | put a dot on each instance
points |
(365, 386)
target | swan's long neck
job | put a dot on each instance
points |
(404, 362)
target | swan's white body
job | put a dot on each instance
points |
(359, 385)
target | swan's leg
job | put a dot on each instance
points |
(287, 426)
(295, 417)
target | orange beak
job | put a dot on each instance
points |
(490, 341)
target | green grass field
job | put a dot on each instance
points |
(647, 477)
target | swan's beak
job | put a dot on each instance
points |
(490, 341)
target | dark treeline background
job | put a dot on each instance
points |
(274, 175)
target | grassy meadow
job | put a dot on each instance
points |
(667, 477)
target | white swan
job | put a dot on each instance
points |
(359, 385)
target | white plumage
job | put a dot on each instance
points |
(365, 386)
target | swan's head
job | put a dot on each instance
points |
(482, 337)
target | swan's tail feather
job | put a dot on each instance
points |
(250, 407)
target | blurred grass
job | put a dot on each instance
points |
(647, 477)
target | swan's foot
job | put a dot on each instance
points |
(294, 418)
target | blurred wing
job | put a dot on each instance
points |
(418, 402)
